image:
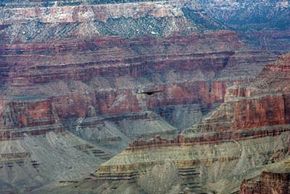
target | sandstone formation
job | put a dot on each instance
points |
(223, 150)
(269, 183)
(262, 103)
(81, 80)
(273, 179)
(71, 82)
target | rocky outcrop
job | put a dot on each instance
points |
(114, 84)
(80, 74)
(269, 183)
(120, 83)
(84, 13)
(36, 21)
(265, 120)
(27, 114)
(80, 80)
(141, 90)
(266, 29)
(234, 160)
(271, 14)
(212, 138)
(265, 102)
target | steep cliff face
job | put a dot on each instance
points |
(84, 79)
(118, 85)
(79, 80)
(227, 148)
(274, 178)
(264, 102)
(269, 183)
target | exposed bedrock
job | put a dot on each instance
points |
(117, 85)
(247, 132)
(216, 167)
(108, 91)
(80, 80)
(24, 114)
(269, 182)
(266, 29)
(40, 21)
(263, 102)
(162, 71)
(31, 160)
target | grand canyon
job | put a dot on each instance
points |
(145, 97)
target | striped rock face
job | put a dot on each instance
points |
(80, 80)
(223, 150)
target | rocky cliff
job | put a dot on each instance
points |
(222, 155)
(71, 80)
(261, 103)
(270, 183)
(79, 80)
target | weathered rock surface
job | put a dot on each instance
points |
(81, 80)
(209, 151)
(264, 102)
(269, 183)
(273, 179)
(71, 80)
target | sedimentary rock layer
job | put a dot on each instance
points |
(270, 182)
(264, 102)
(108, 82)
(110, 73)
(221, 139)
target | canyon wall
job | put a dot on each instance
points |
(269, 183)
(250, 119)
(79, 81)
(84, 79)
